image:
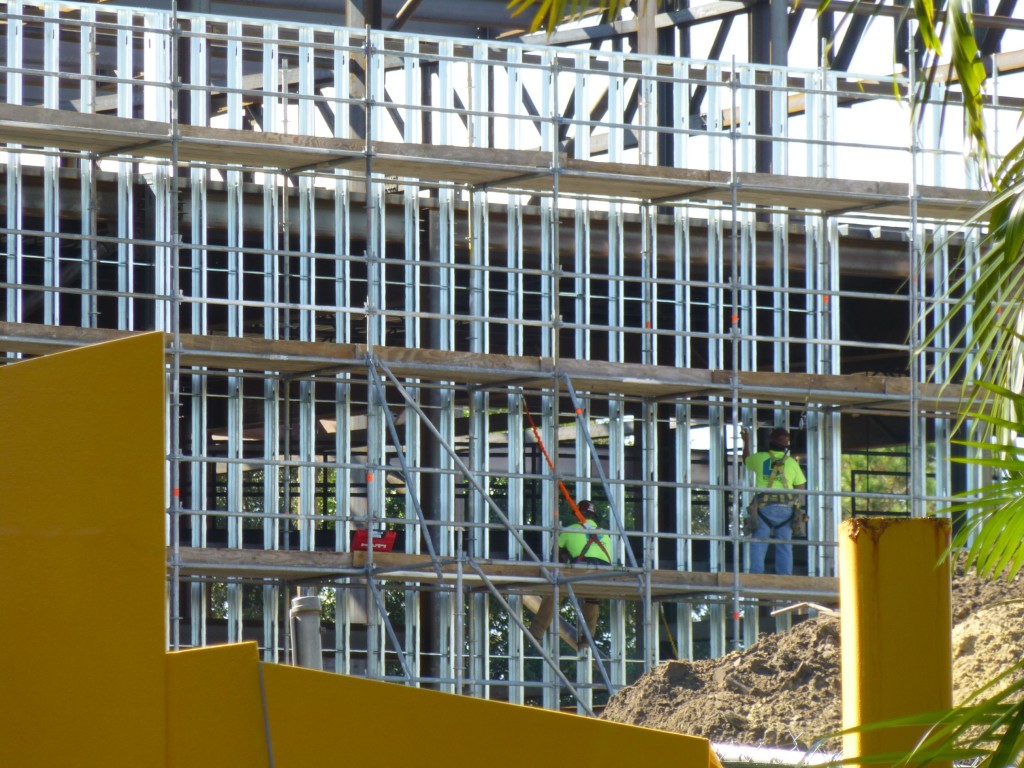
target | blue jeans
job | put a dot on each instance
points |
(780, 515)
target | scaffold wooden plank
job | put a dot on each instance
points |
(528, 170)
(531, 578)
(852, 392)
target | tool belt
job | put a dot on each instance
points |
(763, 499)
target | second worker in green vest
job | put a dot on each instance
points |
(577, 543)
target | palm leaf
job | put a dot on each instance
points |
(993, 530)
(986, 726)
(983, 302)
(548, 14)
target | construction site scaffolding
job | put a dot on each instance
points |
(380, 257)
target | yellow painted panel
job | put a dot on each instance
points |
(82, 557)
(215, 708)
(375, 723)
(896, 625)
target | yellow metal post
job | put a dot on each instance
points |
(896, 625)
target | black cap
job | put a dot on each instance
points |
(586, 508)
(779, 437)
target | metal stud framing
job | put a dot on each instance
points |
(342, 251)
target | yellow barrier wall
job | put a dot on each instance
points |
(85, 680)
(215, 708)
(896, 625)
(82, 557)
(375, 723)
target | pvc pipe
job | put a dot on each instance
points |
(307, 650)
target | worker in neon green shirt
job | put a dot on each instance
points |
(777, 510)
(577, 544)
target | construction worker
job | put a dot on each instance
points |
(775, 510)
(577, 544)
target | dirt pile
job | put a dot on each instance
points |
(783, 691)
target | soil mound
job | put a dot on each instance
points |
(784, 691)
(984, 644)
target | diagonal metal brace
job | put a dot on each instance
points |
(467, 472)
(529, 636)
(393, 431)
(590, 638)
(378, 598)
(583, 427)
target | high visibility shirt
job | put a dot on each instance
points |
(573, 540)
(763, 463)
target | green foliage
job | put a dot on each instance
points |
(219, 596)
(550, 13)
(947, 32)
(987, 730)
(994, 528)
(884, 471)
(985, 317)
(987, 297)
(287, 496)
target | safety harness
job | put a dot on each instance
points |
(592, 538)
(777, 470)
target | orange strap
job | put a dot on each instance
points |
(551, 464)
(565, 491)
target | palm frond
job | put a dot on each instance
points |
(987, 726)
(983, 303)
(548, 14)
(924, 12)
(993, 530)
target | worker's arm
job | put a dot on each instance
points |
(563, 540)
(799, 481)
(745, 437)
(796, 477)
